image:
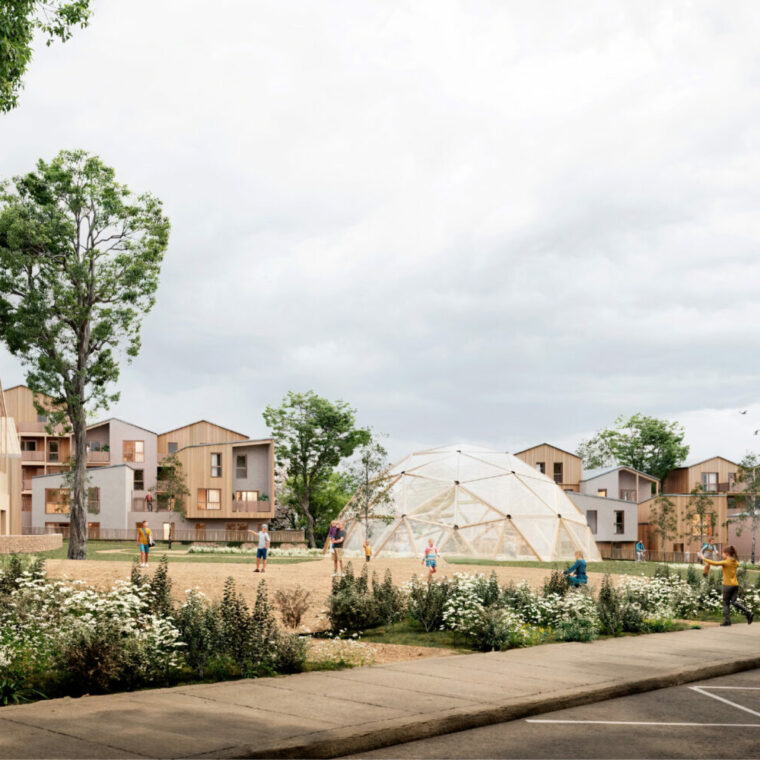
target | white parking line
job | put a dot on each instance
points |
(705, 692)
(642, 723)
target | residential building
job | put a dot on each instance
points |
(231, 485)
(624, 483)
(565, 468)
(715, 475)
(613, 523)
(10, 473)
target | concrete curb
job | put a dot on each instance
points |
(350, 741)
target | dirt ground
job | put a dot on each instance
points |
(314, 576)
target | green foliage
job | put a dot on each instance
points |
(557, 583)
(610, 609)
(372, 489)
(693, 577)
(427, 602)
(663, 518)
(160, 586)
(576, 629)
(14, 692)
(312, 437)
(19, 20)
(80, 258)
(749, 499)
(700, 514)
(390, 601)
(645, 443)
(174, 488)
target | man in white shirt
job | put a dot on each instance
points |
(261, 552)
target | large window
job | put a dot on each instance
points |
(619, 521)
(601, 492)
(93, 501)
(710, 481)
(209, 498)
(139, 480)
(134, 451)
(57, 501)
(241, 466)
(216, 465)
(246, 495)
(541, 467)
(53, 451)
(172, 447)
(558, 472)
(591, 516)
(29, 445)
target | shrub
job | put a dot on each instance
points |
(351, 607)
(576, 629)
(160, 586)
(693, 577)
(495, 629)
(198, 624)
(556, 584)
(427, 602)
(610, 611)
(390, 602)
(293, 605)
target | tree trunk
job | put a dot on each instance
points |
(309, 523)
(78, 517)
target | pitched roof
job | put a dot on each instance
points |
(118, 419)
(551, 445)
(689, 465)
(247, 442)
(207, 422)
(578, 498)
(598, 471)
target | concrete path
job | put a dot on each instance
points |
(330, 714)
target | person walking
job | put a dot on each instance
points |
(640, 551)
(144, 541)
(330, 536)
(367, 550)
(262, 549)
(576, 573)
(430, 558)
(149, 501)
(729, 563)
(337, 551)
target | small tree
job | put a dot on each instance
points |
(372, 490)
(664, 519)
(700, 513)
(312, 436)
(749, 499)
(19, 20)
(80, 258)
(645, 443)
(172, 484)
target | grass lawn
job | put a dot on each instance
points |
(126, 551)
(411, 633)
(611, 566)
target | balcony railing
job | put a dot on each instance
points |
(32, 456)
(238, 505)
(38, 427)
(207, 536)
(140, 505)
(98, 457)
(26, 484)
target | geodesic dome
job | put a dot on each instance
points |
(472, 502)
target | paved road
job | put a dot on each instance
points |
(641, 727)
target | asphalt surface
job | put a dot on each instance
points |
(714, 723)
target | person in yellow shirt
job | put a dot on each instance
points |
(144, 541)
(729, 563)
(367, 550)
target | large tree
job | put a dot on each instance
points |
(19, 21)
(312, 437)
(80, 259)
(648, 444)
(372, 490)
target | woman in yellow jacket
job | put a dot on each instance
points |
(729, 563)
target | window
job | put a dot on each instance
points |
(93, 530)
(541, 467)
(627, 494)
(94, 445)
(139, 480)
(57, 501)
(172, 447)
(558, 474)
(93, 500)
(28, 445)
(246, 495)
(52, 451)
(216, 465)
(209, 498)
(619, 521)
(134, 451)
(710, 481)
(601, 492)
(42, 418)
(26, 503)
(241, 466)
(591, 520)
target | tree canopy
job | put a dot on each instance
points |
(80, 259)
(19, 21)
(312, 436)
(648, 444)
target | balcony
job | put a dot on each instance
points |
(257, 506)
(98, 457)
(39, 427)
(26, 484)
(33, 456)
(140, 505)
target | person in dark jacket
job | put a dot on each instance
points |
(576, 573)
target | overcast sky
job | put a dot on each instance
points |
(489, 222)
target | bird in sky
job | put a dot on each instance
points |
(744, 412)
(757, 431)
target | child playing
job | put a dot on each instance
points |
(431, 558)
(330, 537)
(367, 550)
